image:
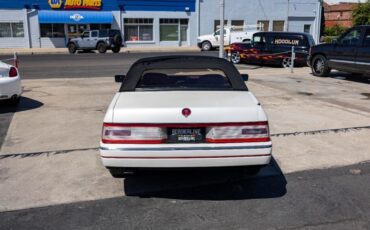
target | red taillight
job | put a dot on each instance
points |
(157, 133)
(121, 134)
(13, 72)
(252, 132)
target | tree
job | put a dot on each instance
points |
(322, 26)
(334, 31)
(361, 14)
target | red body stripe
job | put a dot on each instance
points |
(240, 140)
(133, 141)
(199, 157)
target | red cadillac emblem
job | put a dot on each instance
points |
(186, 112)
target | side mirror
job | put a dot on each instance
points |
(245, 77)
(119, 78)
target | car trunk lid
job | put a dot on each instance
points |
(205, 107)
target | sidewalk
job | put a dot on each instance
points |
(31, 51)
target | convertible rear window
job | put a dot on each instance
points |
(183, 79)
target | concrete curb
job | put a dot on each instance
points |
(34, 51)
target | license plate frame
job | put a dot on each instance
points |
(185, 135)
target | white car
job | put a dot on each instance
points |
(211, 41)
(10, 83)
(184, 112)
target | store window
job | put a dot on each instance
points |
(263, 25)
(278, 26)
(76, 30)
(11, 29)
(169, 29)
(307, 29)
(172, 29)
(94, 34)
(100, 26)
(52, 30)
(138, 29)
(238, 25)
(217, 24)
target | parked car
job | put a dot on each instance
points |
(184, 112)
(273, 48)
(211, 41)
(236, 49)
(350, 53)
(10, 83)
(100, 40)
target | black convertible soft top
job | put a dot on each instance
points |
(182, 62)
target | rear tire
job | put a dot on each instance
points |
(72, 48)
(102, 48)
(117, 39)
(206, 46)
(116, 49)
(319, 66)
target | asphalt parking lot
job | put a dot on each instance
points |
(50, 170)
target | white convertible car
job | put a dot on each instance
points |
(10, 83)
(181, 112)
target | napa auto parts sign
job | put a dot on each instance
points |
(76, 4)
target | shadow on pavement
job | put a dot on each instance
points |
(24, 105)
(208, 184)
(351, 77)
(86, 52)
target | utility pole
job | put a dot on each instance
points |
(287, 16)
(222, 19)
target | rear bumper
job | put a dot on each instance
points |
(185, 156)
(10, 87)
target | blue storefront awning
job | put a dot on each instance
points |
(75, 17)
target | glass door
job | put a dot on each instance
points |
(184, 32)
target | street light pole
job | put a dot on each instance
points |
(222, 19)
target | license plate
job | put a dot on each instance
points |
(185, 135)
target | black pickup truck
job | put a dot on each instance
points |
(350, 53)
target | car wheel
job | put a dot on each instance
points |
(320, 66)
(116, 49)
(102, 48)
(72, 48)
(206, 46)
(235, 58)
(287, 62)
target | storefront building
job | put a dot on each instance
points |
(50, 23)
